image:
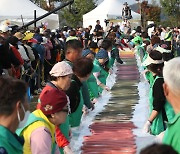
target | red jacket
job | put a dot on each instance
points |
(61, 140)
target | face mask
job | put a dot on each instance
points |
(26, 115)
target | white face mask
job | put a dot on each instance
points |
(26, 115)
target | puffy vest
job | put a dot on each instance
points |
(37, 119)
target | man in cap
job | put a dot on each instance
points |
(4, 31)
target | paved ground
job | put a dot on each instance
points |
(112, 128)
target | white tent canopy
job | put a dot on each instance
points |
(14, 9)
(108, 9)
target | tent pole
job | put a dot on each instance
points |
(34, 18)
(22, 20)
(47, 14)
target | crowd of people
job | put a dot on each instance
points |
(69, 69)
(158, 60)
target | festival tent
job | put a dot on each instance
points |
(16, 10)
(108, 9)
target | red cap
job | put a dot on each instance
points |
(53, 101)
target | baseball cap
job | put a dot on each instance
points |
(4, 28)
(28, 35)
(61, 69)
(19, 35)
(53, 101)
(86, 52)
(102, 54)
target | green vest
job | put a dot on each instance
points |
(158, 124)
(168, 36)
(172, 133)
(36, 119)
(75, 117)
(9, 142)
(92, 84)
(103, 75)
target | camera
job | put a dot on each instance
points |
(106, 21)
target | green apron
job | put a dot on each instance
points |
(75, 117)
(158, 124)
(92, 84)
(103, 75)
(65, 131)
(9, 142)
(85, 92)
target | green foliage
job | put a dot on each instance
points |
(153, 14)
(172, 9)
(82, 7)
(150, 12)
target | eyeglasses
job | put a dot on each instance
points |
(65, 110)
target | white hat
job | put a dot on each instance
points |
(4, 28)
(61, 69)
(162, 50)
(149, 61)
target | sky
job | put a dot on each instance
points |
(128, 1)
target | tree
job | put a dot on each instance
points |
(149, 12)
(74, 16)
(172, 9)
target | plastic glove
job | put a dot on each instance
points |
(159, 138)
(147, 127)
(92, 106)
(107, 88)
(110, 71)
(94, 101)
(67, 150)
(85, 110)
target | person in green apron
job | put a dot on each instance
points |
(82, 69)
(73, 51)
(91, 82)
(13, 114)
(171, 75)
(101, 76)
(137, 41)
(148, 74)
(160, 109)
(115, 50)
(39, 131)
